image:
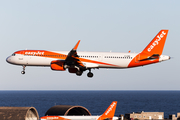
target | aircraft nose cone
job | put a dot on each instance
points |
(8, 59)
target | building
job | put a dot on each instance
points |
(144, 115)
(173, 117)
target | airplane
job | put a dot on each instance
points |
(78, 62)
(107, 115)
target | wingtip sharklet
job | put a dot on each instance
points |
(76, 46)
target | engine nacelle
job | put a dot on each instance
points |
(72, 70)
(57, 65)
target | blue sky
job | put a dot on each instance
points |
(103, 25)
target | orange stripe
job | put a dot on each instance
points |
(54, 118)
(92, 61)
(43, 53)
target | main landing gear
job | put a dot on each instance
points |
(23, 72)
(79, 73)
(90, 74)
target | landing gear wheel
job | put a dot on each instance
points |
(90, 74)
(22, 72)
(79, 73)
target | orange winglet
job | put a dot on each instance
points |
(76, 46)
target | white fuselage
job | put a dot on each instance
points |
(76, 118)
(97, 59)
(89, 59)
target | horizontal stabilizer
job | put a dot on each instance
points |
(155, 56)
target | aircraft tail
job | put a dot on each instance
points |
(156, 46)
(109, 113)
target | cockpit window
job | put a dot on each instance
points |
(13, 54)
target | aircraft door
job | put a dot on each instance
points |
(21, 55)
(23, 59)
(100, 57)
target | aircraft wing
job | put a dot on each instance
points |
(72, 59)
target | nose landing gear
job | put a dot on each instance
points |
(23, 72)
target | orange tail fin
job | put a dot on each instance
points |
(157, 44)
(109, 113)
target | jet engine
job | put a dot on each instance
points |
(57, 65)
